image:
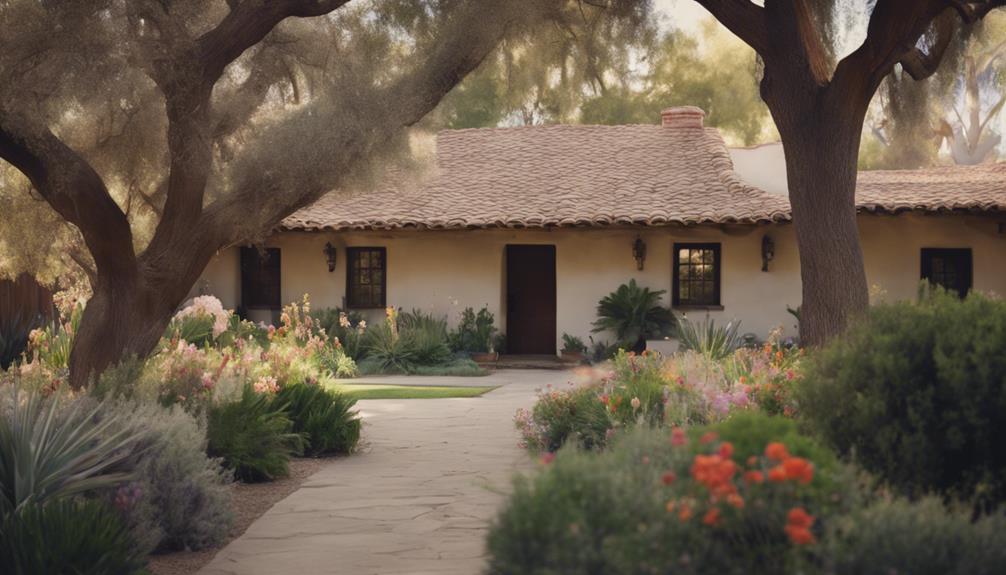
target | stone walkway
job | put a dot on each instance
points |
(417, 500)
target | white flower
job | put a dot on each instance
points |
(635, 403)
(211, 306)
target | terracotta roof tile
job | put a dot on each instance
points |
(548, 176)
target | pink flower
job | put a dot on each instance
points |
(547, 458)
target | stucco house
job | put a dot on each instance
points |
(541, 222)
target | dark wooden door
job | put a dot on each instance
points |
(530, 310)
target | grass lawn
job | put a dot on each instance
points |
(380, 391)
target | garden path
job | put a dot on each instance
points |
(417, 500)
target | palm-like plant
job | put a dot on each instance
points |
(49, 452)
(633, 313)
(712, 341)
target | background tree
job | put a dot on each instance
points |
(212, 121)
(959, 105)
(819, 103)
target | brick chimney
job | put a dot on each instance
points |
(682, 117)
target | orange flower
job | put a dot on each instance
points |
(735, 500)
(707, 437)
(776, 451)
(799, 469)
(777, 474)
(685, 513)
(799, 535)
(752, 461)
(670, 505)
(726, 450)
(754, 477)
(798, 517)
(712, 516)
(669, 477)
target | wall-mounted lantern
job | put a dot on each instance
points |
(767, 252)
(639, 252)
(330, 256)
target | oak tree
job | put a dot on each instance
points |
(214, 120)
(819, 106)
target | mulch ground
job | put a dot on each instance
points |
(251, 500)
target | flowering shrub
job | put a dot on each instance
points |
(674, 501)
(649, 389)
(200, 322)
(559, 415)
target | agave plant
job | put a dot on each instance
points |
(634, 314)
(49, 451)
(712, 341)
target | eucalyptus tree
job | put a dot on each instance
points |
(166, 130)
(818, 102)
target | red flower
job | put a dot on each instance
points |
(712, 516)
(669, 477)
(547, 458)
(708, 437)
(726, 450)
(754, 477)
(799, 469)
(799, 535)
(777, 474)
(798, 517)
(776, 451)
(678, 437)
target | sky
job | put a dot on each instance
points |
(684, 14)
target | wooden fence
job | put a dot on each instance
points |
(24, 297)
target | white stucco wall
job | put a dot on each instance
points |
(446, 271)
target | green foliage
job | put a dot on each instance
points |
(634, 314)
(427, 336)
(388, 350)
(457, 367)
(564, 415)
(346, 326)
(573, 344)
(639, 507)
(916, 394)
(14, 330)
(68, 536)
(712, 341)
(637, 389)
(921, 538)
(195, 329)
(601, 350)
(52, 346)
(178, 497)
(338, 363)
(323, 417)
(475, 332)
(49, 450)
(252, 437)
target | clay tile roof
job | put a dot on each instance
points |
(951, 188)
(562, 175)
(546, 176)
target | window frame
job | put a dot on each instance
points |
(926, 265)
(717, 249)
(246, 282)
(352, 253)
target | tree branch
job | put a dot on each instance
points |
(71, 186)
(920, 65)
(813, 48)
(744, 18)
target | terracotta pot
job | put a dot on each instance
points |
(485, 357)
(572, 357)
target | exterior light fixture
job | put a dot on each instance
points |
(767, 252)
(330, 256)
(639, 252)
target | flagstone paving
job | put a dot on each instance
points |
(417, 500)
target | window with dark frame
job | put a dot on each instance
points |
(950, 268)
(696, 275)
(260, 278)
(366, 279)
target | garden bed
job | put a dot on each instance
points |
(250, 501)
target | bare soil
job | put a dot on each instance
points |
(251, 501)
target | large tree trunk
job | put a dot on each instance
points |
(122, 319)
(821, 168)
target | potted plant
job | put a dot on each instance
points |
(476, 335)
(573, 349)
(633, 314)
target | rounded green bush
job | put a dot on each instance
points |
(916, 393)
(67, 536)
(252, 438)
(324, 417)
